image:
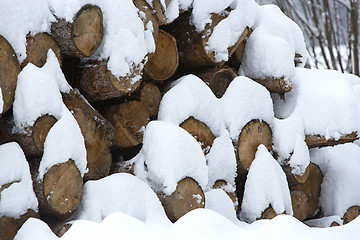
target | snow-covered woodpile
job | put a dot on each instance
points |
(204, 102)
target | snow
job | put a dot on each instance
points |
(340, 166)
(265, 185)
(170, 154)
(124, 193)
(324, 221)
(37, 94)
(34, 228)
(17, 198)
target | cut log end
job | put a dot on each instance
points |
(252, 135)
(299, 202)
(42, 127)
(10, 226)
(88, 29)
(221, 184)
(164, 63)
(200, 132)
(268, 213)
(9, 71)
(187, 196)
(275, 85)
(351, 214)
(295, 179)
(150, 97)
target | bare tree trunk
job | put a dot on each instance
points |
(354, 24)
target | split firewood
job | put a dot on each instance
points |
(351, 214)
(192, 44)
(98, 133)
(150, 96)
(60, 191)
(236, 59)
(165, 61)
(200, 132)
(37, 48)
(31, 139)
(295, 179)
(187, 196)
(9, 71)
(320, 141)
(311, 188)
(220, 184)
(253, 134)
(81, 37)
(299, 203)
(275, 85)
(10, 226)
(269, 213)
(218, 79)
(129, 119)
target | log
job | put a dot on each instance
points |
(299, 203)
(236, 59)
(318, 141)
(10, 226)
(298, 60)
(253, 134)
(218, 79)
(295, 179)
(129, 119)
(351, 214)
(192, 44)
(98, 133)
(183, 199)
(221, 184)
(122, 167)
(96, 82)
(32, 138)
(60, 191)
(165, 61)
(160, 11)
(9, 71)
(37, 48)
(150, 96)
(200, 132)
(311, 188)
(269, 213)
(147, 15)
(82, 37)
(275, 85)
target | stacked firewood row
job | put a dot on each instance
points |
(112, 113)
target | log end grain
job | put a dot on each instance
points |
(10, 226)
(150, 97)
(268, 213)
(41, 129)
(351, 214)
(299, 202)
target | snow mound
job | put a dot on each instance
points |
(35, 228)
(37, 94)
(321, 102)
(265, 185)
(170, 154)
(124, 193)
(340, 166)
(19, 196)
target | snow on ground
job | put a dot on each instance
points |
(38, 93)
(340, 166)
(19, 196)
(265, 185)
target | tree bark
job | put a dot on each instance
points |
(318, 141)
(83, 36)
(183, 200)
(31, 139)
(351, 214)
(129, 119)
(299, 203)
(236, 59)
(37, 48)
(60, 191)
(252, 135)
(10, 226)
(275, 85)
(165, 61)
(9, 71)
(98, 133)
(200, 132)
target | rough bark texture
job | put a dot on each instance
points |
(10, 226)
(37, 48)
(236, 59)
(31, 139)
(83, 36)
(150, 96)
(9, 71)
(275, 85)
(311, 188)
(294, 179)
(200, 132)
(96, 82)
(351, 214)
(165, 61)
(159, 10)
(182, 200)
(129, 119)
(218, 79)
(60, 191)
(98, 133)
(320, 141)
(299, 202)
(252, 135)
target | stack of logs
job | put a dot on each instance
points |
(112, 125)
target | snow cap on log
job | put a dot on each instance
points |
(170, 155)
